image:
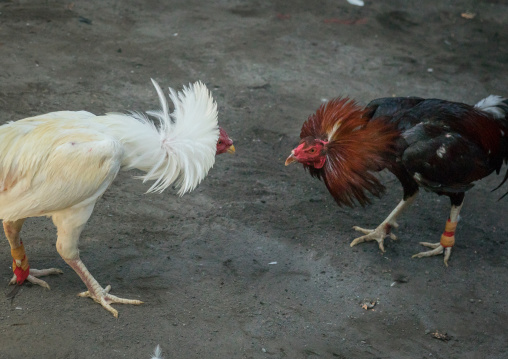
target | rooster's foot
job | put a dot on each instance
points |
(378, 235)
(35, 273)
(437, 249)
(105, 299)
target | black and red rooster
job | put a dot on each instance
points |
(439, 145)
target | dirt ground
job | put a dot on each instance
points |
(256, 262)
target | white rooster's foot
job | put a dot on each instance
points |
(34, 274)
(437, 249)
(378, 234)
(95, 291)
(105, 299)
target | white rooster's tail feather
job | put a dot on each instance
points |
(495, 105)
(188, 138)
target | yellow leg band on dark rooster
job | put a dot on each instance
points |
(448, 237)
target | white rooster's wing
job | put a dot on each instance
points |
(51, 163)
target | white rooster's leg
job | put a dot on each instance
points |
(384, 229)
(70, 223)
(447, 239)
(20, 267)
(95, 291)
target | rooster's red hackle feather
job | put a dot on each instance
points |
(355, 148)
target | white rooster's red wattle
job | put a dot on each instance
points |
(58, 165)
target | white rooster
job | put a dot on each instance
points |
(60, 163)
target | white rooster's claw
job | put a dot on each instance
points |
(34, 274)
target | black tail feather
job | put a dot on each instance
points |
(502, 183)
(503, 196)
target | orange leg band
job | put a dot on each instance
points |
(448, 237)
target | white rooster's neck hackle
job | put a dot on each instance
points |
(180, 149)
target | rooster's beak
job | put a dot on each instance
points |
(231, 149)
(291, 159)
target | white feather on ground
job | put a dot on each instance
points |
(356, 2)
(157, 353)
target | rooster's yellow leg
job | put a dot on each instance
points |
(20, 267)
(447, 239)
(95, 291)
(70, 224)
(384, 229)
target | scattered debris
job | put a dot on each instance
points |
(272, 263)
(283, 16)
(441, 336)
(400, 278)
(369, 304)
(262, 86)
(468, 15)
(85, 20)
(361, 21)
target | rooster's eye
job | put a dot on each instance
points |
(312, 150)
(220, 142)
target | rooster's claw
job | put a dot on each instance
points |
(378, 235)
(34, 273)
(105, 299)
(437, 249)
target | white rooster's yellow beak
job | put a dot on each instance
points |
(291, 159)
(231, 149)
